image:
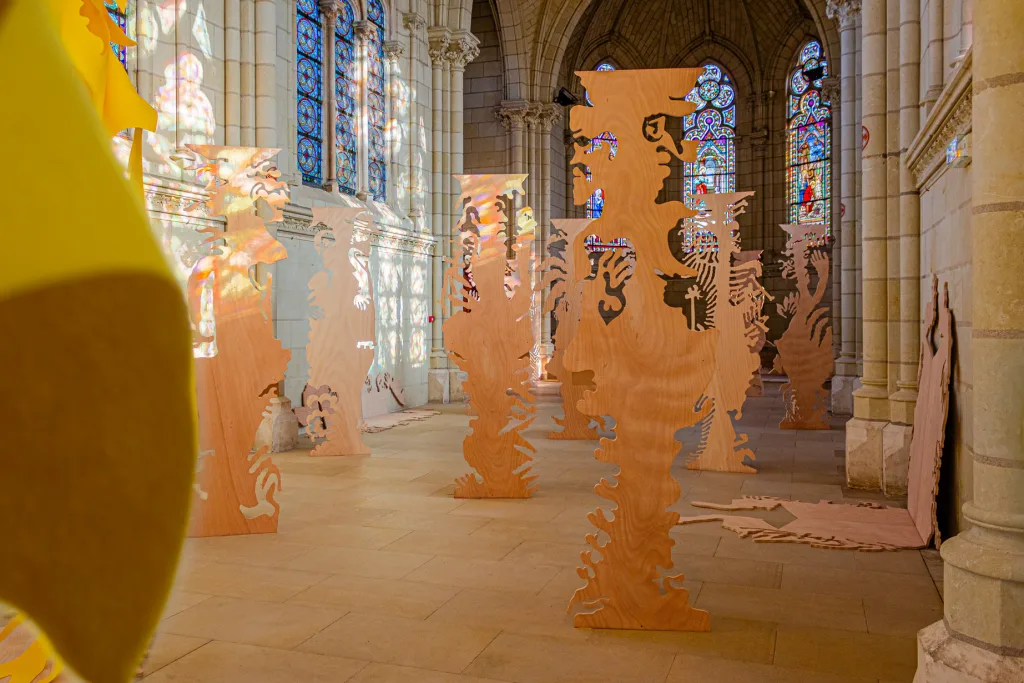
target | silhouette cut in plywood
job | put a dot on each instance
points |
(930, 413)
(805, 348)
(732, 294)
(490, 334)
(650, 368)
(341, 332)
(237, 177)
(239, 362)
(564, 299)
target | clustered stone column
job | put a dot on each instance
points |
(981, 638)
(549, 115)
(363, 31)
(329, 9)
(393, 51)
(414, 24)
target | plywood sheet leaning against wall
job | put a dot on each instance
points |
(732, 299)
(805, 348)
(564, 299)
(930, 413)
(489, 334)
(238, 361)
(341, 332)
(650, 367)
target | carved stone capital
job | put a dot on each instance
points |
(330, 10)
(413, 22)
(512, 113)
(462, 49)
(363, 29)
(550, 114)
(393, 49)
(438, 38)
(846, 12)
(830, 90)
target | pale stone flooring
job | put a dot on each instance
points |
(378, 575)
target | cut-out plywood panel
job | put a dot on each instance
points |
(805, 348)
(650, 368)
(564, 300)
(490, 336)
(341, 333)
(239, 363)
(732, 294)
(930, 413)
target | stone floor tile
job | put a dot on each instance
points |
(411, 502)
(904, 618)
(797, 608)
(406, 642)
(394, 597)
(269, 624)
(242, 581)
(729, 638)
(168, 647)
(441, 523)
(371, 563)
(841, 652)
(530, 510)
(510, 612)
(742, 548)
(540, 659)
(693, 669)
(553, 554)
(234, 663)
(430, 543)
(731, 571)
(343, 535)
(179, 601)
(388, 673)
(898, 562)
(501, 575)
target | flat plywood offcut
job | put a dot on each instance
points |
(805, 348)
(489, 334)
(341, 333)
(564, 300)
(650, 367)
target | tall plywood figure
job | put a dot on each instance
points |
(805, 348)
(490, 334)
(650, 367)
(238, 360)
(341, 333)
(728, 285)
(565, 299)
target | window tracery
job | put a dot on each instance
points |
(809, 139)
(713, 126)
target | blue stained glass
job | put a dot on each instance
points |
(346, 90)
(809, 141)
(376, 101)
(595, 204)
(309, 92)
(603, 66)
(713, 126)
(121, 19)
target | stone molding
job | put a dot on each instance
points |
(951, 116)
(382, 236)
(844, 12)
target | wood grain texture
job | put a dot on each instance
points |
(564, 300)
(733, 295)
(341, 332)
(930, 413)
(805, 348)
(650, 368)
(490, 336)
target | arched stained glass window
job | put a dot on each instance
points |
(595, 205)
(309, 91)
(376, 99)
(809, 139)
(120, 18)
(346, 84)
(713, 126)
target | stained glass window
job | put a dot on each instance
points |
(309, 92)
(713, 126)
(809, 141)
(346, 84)
(375, 95)
(121, 19)
(595, 205)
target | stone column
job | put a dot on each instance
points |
(981, 639)
(329, 9)
(438, 377)
(363, 31)
(830, 93)
(892, 192)
(550, 114)
(936, 68)
(847, 13)
(871, 400)
(858, 190)
(513, 114)
(897, 434)
(247, 71)
(414, 24)
(232, 55)
(393, 51)
(266, 73)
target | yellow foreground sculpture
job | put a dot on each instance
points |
(96, 357)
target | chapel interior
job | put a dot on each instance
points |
(835, 142)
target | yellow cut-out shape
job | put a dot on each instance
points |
(26, 667)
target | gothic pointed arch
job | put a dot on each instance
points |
(713, 126)
(808, 138)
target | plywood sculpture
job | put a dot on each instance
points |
(757, 326)
(341, 333)
(238, 361)
(805, 348)
(650, 367)
(732, 305)
(489, 335)
(564, 299)
(868, 526)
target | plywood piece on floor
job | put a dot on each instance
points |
(489, 334)
(341, 332)
(805, 348)
(649, 365)
(564, 300)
